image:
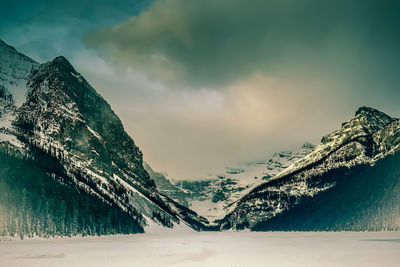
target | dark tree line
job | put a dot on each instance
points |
(364, 198)
(34, 202)
(5, 95)
(163, 219)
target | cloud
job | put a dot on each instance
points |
(202, 84)
(268, 75)
(189, 133)
(214, 43)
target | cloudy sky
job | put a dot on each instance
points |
(204, 84)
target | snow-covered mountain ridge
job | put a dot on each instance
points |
(67, 167)
(62, 119)
(360, 143)
(212, 197)
(14, 71)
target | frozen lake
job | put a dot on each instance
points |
(208, 249)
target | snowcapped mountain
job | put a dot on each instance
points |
(53, 120)
(14, 71)
(348, 182)
(15, 68)
(212, 197)
(67, 167)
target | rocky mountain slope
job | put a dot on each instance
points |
(349, 182)
(63, 127)
(67, 167)
(212, 197)
(15, 68)
(166, 187)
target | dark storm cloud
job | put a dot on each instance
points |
(212, 43)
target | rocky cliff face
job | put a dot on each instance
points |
(64, 120)
(366, 139)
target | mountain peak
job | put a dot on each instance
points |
(62, 63)
(4, 44)
(7, 50)
(370, 118)
(15, 67)
(367, 120)
(367, 111)
(61, 59)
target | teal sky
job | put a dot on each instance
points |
(202, 84)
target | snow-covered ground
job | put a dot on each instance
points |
(208, 249)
